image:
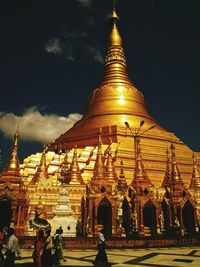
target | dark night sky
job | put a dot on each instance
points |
(162, 45)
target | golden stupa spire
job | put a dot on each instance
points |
(42, 172)
(74, 173)
(167, 177)
(140, 171)
(195, 181)
(177, 185)
(175, 174)
(11, 173)
(115, 61)
(14, 161)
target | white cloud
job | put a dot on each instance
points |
(54, 46)
(94, 54)
(74, 47)
(34, 126)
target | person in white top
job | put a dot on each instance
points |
(101, 238)
(12, 248)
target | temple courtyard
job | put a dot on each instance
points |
(163, 257)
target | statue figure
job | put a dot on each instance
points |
(134, 221)
(63, 191)
(120, 228)
(87, 226)
(118, 223)
(176, 222)
(161, 221)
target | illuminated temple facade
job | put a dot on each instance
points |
(117, 167)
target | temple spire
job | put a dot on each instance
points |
(14, 161)
(115, 61)
(74, 173)
(140, 171)
(195, 181)
(42, 172)
(167, 177)
(177, 184)
(114, 38)
(11, 173)
(175, 174)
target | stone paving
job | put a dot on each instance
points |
(160, 257)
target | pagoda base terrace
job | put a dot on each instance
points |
(27, 242)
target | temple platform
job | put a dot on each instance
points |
(91, 242)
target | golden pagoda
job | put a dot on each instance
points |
(13, 195)
(115, 158)
(116, 101)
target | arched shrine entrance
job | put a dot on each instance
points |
(104, 216)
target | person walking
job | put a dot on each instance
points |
(101, 257)
(57, 245)
(11, 247)
(38, 248)
(58, 256)
(61, 244)
(47, 258)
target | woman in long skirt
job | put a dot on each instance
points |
(101, 257)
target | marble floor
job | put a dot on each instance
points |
(161, 257)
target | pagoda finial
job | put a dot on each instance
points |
(175, 174)
(14, 161)
(115, 61)
(114, 38)
(114, 15)
(16, 137)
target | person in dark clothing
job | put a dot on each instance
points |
(101, 257)
(58, 256)
(47, 258)
(38, 247)
(57, 245)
